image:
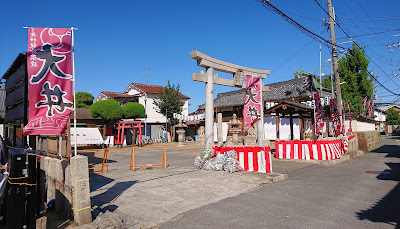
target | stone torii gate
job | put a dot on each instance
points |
(208, 77)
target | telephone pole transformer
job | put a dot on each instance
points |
(335, 62)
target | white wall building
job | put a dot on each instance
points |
(146, 95)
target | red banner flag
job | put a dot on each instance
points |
(252, 101)
(318, 114)
(363, 102)
(370, 108)
(49, 81)
(343, 117)
(335, 117)
(350, 129)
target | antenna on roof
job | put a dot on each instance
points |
(147, 73)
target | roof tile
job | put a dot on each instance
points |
(152, 89)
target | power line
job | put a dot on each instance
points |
(303, 29)
(375, 19)
(347, 34)
(318, 38)
(376, 33)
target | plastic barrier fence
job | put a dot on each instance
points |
(309, 150)
(252, 159)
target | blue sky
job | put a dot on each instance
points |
(117, 40)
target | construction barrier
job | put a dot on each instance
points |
(105, 161)
(252, 159)
(162, 164)
(309, 150)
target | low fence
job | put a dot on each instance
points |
(315, 150)
(308, 150)
(252, 159)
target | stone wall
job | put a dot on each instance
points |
(353, 144)
(68, 184)
(367, 139)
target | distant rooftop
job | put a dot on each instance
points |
(150, 89)
(297, 88)
(111, 94)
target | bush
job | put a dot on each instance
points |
(106, 109)
(133, 110)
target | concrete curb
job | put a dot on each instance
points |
(345, 157)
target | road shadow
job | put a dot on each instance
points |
(97, 182)
(104, 202)
(95, 158)
(387, 209)
(390, 150)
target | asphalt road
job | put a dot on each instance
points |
(360, 193)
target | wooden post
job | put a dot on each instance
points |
(68, 141)
(277, 127)
(48, 145)
(327, 126)
(291, 128)
(133, 159)
(40, 143)
(58, 146)
(165, 158)
(14, 136)
(301, 127)
(313, 128)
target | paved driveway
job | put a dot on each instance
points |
(360, 193)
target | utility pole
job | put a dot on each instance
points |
(335, 61)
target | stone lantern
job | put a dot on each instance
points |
(180, 131)
(235, 131)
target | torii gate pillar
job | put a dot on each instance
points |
(209, 109)
(210, 79)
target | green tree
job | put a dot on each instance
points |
(393, 117)
(83, 99)
(326, 83)
(353, 69)
(108, 110)
(133, 110)
(169, 102)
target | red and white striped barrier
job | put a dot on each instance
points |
(252, 159)
(345, 142)
(308, 150)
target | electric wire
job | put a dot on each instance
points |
(347, 32)
(318, 38)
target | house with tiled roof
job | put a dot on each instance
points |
(144, 94)
(298, 90)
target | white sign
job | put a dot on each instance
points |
(86, 136)
(186, 118)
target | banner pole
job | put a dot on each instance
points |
(73, 79)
